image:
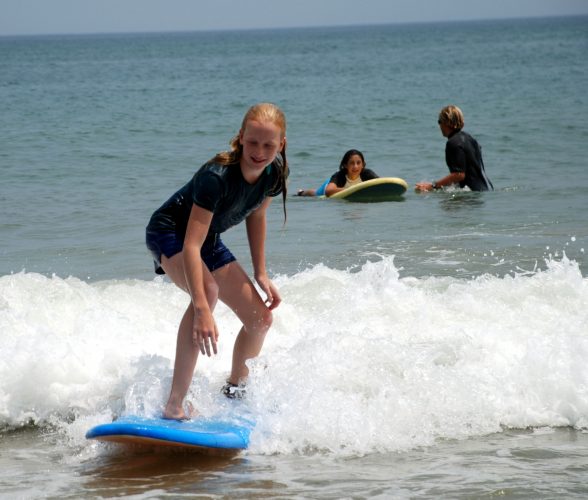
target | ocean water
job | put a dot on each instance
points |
(430, 347)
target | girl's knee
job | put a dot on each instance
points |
(262, 322)
(267, 318)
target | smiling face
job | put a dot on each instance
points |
(261, 142)
(354, 167)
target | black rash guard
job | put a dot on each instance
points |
(221, 190)
(464, 154)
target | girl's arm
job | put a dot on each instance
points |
(204, 328)
(256, 230)
(332, 188)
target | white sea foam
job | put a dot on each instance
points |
(355, 362)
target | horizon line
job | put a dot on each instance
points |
(280, 28)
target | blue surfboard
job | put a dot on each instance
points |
(221, 434)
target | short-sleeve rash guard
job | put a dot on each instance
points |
(220, 189)
(464, 154)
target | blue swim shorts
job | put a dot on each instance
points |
(214, 253)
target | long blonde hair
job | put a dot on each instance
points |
(263, 112)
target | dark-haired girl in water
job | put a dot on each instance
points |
(352, 170)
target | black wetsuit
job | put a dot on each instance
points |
(464, 154)
(340, 177)
(223, 191)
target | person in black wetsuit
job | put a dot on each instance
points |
(463, 155)
(183, 236)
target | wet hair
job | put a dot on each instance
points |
(452, 116)
(347, 156)
(264, 112)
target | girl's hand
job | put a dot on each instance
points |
(273, 296)
(205, 333)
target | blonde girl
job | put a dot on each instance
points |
(183, 236)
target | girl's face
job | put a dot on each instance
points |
(261, 142)
(354, 167)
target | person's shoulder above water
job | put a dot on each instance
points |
(368, 174)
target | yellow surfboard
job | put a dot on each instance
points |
(380, 189)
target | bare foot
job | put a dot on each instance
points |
(181, 413)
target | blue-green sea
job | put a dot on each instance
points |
(433, 346)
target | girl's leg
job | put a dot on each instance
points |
(184, 365)
(186, 350)
(237, 291)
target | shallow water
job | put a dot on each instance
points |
(540, 463)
